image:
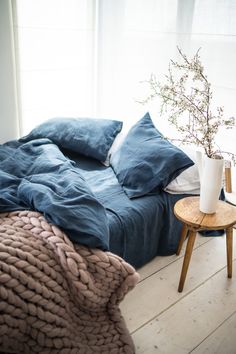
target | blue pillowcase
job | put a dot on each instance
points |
(87, 136)
(146, 160)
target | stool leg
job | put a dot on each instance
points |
(229, 246)
(187, 257)
(183, 236)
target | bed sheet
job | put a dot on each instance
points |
(139, 229)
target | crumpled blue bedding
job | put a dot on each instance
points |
(85, 199)
(36, 175)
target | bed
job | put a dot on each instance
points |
(123, 208)
(96, 224)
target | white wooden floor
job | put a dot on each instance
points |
(201, 319)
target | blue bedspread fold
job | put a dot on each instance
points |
(140, 228)
(37, 176)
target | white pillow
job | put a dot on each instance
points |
(116, 143)
(188, 181)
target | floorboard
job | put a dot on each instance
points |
(183, 326)
(222, 340)
(160, 262)
(200, 319)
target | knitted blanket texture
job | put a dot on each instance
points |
(56, 296)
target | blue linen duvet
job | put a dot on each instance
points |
(85, 199)
(37, 176)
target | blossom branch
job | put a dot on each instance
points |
(187, 90)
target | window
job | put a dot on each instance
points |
(89, 57)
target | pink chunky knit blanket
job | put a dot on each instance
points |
(58, 297)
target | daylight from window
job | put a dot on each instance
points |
(91, 58)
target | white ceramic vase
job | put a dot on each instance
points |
(211, 177)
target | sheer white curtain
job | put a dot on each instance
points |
(56, 58)
(139, 37)
(89, 57)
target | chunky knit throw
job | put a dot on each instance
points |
(58, 297)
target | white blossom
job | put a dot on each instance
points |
(187, 89)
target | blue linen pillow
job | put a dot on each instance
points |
(147, 160)
(87, 136)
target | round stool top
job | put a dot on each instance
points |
(187, 210)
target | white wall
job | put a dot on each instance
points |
(8, 104)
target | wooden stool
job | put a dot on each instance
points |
(187, 210)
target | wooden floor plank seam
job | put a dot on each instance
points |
(212, 332)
